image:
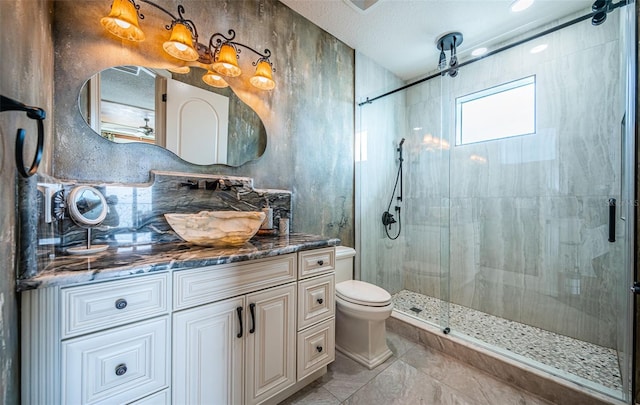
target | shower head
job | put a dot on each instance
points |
(401, 142)
(449, 42)
(442, 62)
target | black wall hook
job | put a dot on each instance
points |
(35, 113)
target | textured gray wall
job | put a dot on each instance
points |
(26, 63)
(309, 116)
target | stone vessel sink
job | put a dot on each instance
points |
(216, 228)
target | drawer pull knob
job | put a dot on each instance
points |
(319, 349)
(320, 262)
(121, 303)
(121, 369)
(320, 300)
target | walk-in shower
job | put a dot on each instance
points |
(508, 236)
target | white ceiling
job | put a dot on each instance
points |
(400, 35)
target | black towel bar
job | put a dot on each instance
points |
(35, 113)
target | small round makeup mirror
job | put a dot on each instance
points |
(87, 208)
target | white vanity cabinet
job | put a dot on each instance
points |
(250, 332)
(238, 350)
(99, 343)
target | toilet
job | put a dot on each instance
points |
(361, 311)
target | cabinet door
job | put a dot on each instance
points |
(207, 354)
(271, 342)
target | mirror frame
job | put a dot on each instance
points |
(76, 215)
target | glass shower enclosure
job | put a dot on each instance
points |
(514, 229)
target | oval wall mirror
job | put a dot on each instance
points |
(179, 112)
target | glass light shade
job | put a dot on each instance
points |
(263, 79)
(226, 63)
(215, 80)
(181, 70)
(180, 45)
(122, 21)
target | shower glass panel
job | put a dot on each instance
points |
(508, 242)
(413, 267)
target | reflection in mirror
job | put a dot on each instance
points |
(201, 124)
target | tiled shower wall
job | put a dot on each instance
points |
(528, 215)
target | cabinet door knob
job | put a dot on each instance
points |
(320, 262)
(320, 300)
(121, 303)
(319, 349)
(121, 369)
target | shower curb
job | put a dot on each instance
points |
(522, 376)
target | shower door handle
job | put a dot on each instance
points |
(612, 220)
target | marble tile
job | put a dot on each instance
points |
(403, 384)
(469, 381)
(345, 376)
(312, 394)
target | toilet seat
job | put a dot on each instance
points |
(362, 293)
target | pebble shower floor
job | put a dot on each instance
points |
(589, 361)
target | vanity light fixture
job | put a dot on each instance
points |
(214, 79)
(220, 54)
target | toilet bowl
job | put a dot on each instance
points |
(361, 311)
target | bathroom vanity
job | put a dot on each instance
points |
(176, 323)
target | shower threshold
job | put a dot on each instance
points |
(588, 361)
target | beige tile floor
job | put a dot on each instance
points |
(414, 375)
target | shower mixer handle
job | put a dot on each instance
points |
(388, 219)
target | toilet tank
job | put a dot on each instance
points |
(344, 263)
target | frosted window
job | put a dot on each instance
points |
(498, 112)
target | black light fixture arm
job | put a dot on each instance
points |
(218, 39)
(137, 7)
(175, 20)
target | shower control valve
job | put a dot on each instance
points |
(388, 219)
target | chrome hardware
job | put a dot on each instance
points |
(121, 369)
(121, 303)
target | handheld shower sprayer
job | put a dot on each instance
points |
(387, 217)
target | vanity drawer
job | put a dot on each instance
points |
(213, 283)
(316, 347)
(318, 261)
(159, 398)
(116, 366)
(104, 305)
(316, 300)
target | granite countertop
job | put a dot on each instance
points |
(125, 261)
